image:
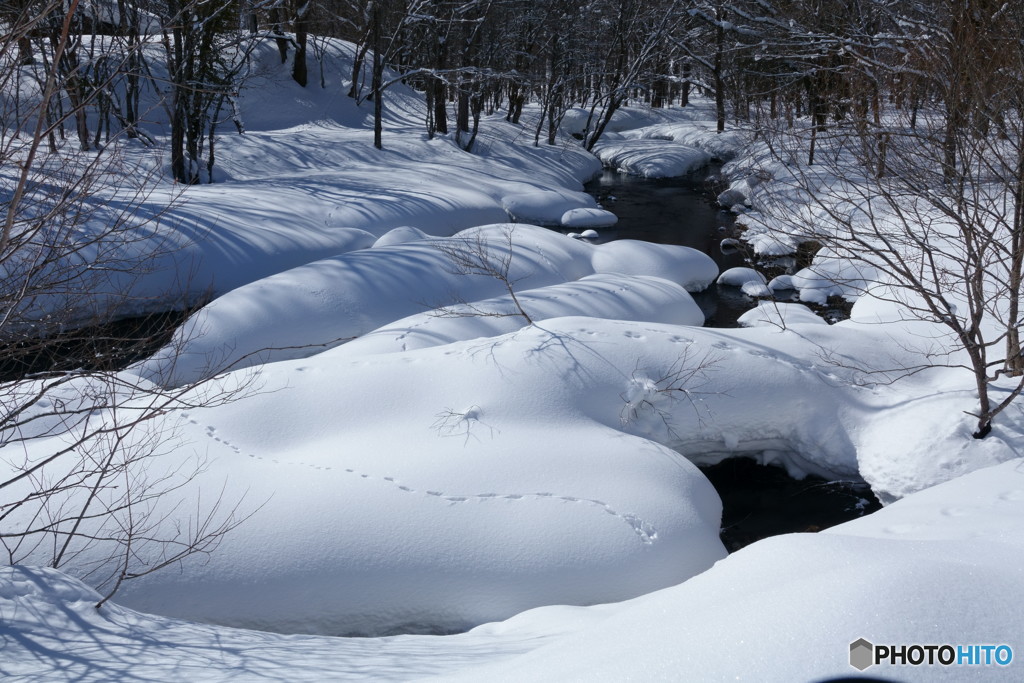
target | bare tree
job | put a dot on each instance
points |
(475, 255)
(82, 480)
(933, 208)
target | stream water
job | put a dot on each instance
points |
(676, 211)
(758, 501)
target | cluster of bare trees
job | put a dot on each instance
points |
(762, 61)
(81, 477)
(924, 104)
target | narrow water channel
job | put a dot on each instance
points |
(675, 211)
(758, 501)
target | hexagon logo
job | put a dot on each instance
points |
(862, 654)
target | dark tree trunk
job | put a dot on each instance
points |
(25, 55)
(684, 96)
(300, 70)
(357, 69)
(719, 76)
(275, 27)
(440, 104)
(378, 79)
(462, 106)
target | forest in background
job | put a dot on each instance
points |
(957, 65)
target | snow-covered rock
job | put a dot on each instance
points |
(692, 269)
(781, 282)
(651, 158)
(778, 314)
(739, 276)
(755, 289)
(832, 277)
(589, 218)
(547, 207)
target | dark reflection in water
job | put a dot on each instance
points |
(759, 501)
(675, 211)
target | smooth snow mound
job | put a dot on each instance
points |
(778, 314)
(942, 566)
(589, 218)
(651, 158)
(400, 235)
(753, 616)
(739, 276)
(302, 311)
(610, 296)
(439, 488)
(692, 269)
(545, 207)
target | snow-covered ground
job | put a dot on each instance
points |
(477, 454)
(943, 566)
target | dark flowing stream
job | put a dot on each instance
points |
(758, 501)
(676, 211)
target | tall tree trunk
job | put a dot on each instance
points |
(718, 75)
(684, 96)
(301, 24)
(378, 79)
(276, 22)
(1014, 360)
(358, 61)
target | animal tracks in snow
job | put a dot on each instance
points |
(645, 531)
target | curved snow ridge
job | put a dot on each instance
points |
(299, 312)
(606, 295)
(651, 158)
(702, 135)
(646, 532)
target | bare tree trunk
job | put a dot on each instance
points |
(378, 78)
(1015, 280)
(276, 22)
(684, 97)
(299, 68)
(718, 75)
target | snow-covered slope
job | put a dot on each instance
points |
(943, 566)
(940, 566)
